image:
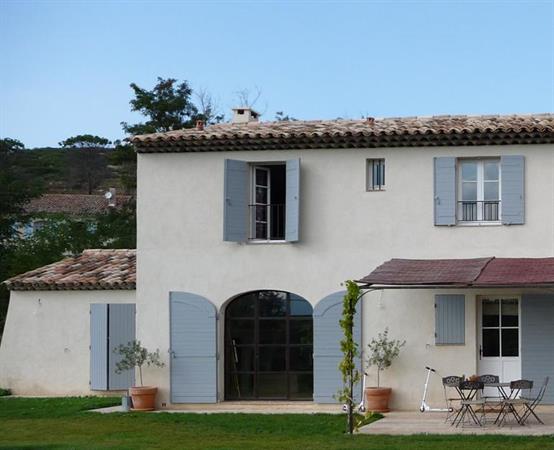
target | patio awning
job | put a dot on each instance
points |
(474, 273)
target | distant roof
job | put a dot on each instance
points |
(91, 270)
(74, 204)
(366, 133)
(477, 272)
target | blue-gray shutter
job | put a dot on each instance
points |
(235, 201)
(512, 204)
(445, 190)
(450, 319)
(292, 219)
(121, 332)
(327, 353)
(98, 346)
(193, 350)
(537, 341)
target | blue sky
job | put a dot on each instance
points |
(65, 66)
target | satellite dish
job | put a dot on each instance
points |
(108, 195)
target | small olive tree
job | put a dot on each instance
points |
(382, 351)
(135, 355)
(349, 347)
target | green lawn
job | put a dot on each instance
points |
(65, 423)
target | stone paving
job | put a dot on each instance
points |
(408, 423)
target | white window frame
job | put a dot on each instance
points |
(480, 191)
(369, 169)
(261, 165)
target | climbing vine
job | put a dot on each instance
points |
(350, 374)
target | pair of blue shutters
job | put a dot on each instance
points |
(512, 168)
(193, 342)
(111, 325)
(237, 197)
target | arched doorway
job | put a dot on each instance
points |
(269, 347)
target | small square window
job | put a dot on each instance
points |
(375, 173)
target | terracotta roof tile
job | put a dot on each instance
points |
(92, 269)
(74, 204)
(478, 272)
(387, 132)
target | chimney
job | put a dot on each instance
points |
(111, 197)
(200, 125)
(370, 120)
(244, 115)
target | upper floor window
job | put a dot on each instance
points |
(268, 202)
(261, 201)
(375, 173)
(479, 190)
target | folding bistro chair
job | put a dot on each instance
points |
(510, 404)
(470, 404)
(531, 404)
(491, 401)
(451, 384)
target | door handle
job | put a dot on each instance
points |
(480, 351)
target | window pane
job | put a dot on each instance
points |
(272, 385)
(301, 385)
(242, 306)
(272, 303)
(273, 331)
(261, 195)
(301, 358)
(301, 331)
(261, 177)
(243, 359)
(272, 359)
(261, 230)
(242, 331)
(510, 313)
(469, 171)
(510, 342)
(491, 344)
(491, 311)
(491, 170)
(261, 213)
(241, 385)
(469, 191)
(299, 306)
(491, 190)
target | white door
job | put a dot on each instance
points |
(499, 338)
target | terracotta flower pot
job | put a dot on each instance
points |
(377, 399)
(144, 398)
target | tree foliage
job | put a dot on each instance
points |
(85, 141)
(382, 351)
(135, 355)
(349, 348)
(170, 106)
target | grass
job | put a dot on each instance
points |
(65, 423)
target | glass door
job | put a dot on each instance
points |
(499, 338)
(261, 203)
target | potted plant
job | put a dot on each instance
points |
(134, 355)
(382, 351)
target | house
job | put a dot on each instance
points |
(81, 206)
(246, 231)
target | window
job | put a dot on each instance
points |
(267, 208)
(479, 190)
(375, 174)
(261, 201)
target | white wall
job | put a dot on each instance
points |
(345, 233)
(45, 346)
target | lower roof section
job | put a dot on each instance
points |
(92, 269)
(476, 272)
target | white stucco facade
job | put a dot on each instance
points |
(45, 345)
(345, 232)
